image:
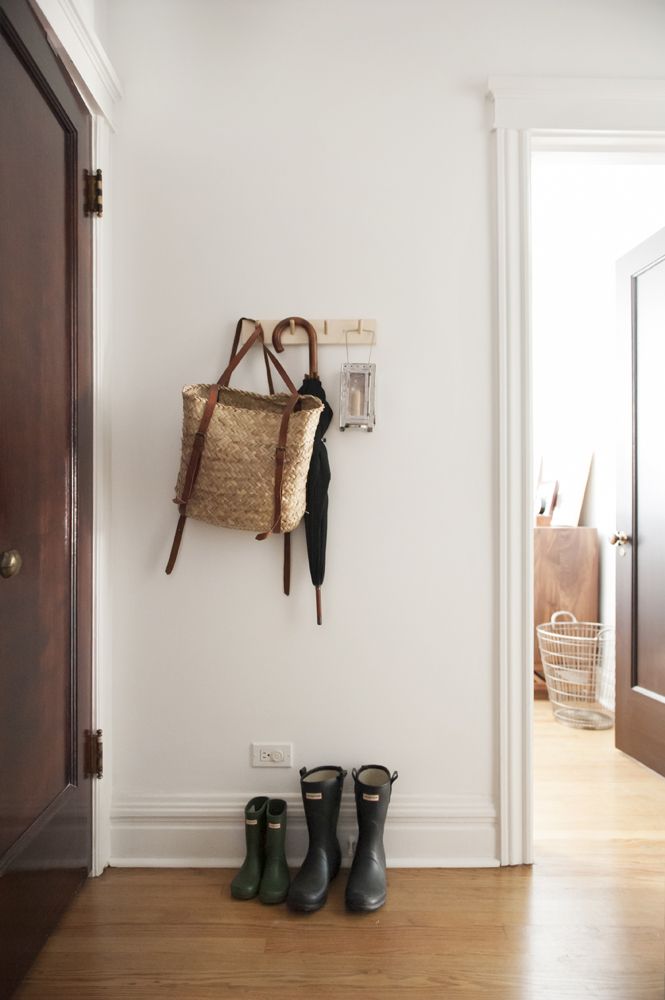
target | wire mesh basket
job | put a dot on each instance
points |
(574, 656)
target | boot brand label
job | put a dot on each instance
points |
(251, 822)
(370, 798)
(313, 795)
(274, 826)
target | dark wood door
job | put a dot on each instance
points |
(640, 537)
(45, 491)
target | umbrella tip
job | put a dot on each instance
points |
(319, 615)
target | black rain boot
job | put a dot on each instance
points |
(246, 883)
(321, 794)
(366, 888)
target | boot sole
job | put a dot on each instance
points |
(244, 898)
(365, 909)
(306, 907)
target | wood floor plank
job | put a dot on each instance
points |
(584, 923)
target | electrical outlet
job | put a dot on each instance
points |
(271, 754)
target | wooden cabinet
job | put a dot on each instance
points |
(565, 577)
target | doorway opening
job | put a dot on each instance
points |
(588, 209)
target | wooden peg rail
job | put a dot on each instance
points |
(328, 331)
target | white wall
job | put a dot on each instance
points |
(588, 209)
(328, 159)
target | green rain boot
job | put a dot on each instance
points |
(275, 881)
(246, 883)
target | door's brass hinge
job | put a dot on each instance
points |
(94, 203)
(94, 764)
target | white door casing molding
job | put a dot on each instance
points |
(81, 51)
(90, 69)
(514, 455)
(619, 116)
(101, 602)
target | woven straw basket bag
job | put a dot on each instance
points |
(245, 457)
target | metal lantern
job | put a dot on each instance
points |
(356, 398)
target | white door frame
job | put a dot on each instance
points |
(81, 51)
(528, 113)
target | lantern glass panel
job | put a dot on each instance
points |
(356, 407)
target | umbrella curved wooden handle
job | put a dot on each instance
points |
(287, 324)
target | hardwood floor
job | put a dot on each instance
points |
(585, 922)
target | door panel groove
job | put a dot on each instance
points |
(35, 828)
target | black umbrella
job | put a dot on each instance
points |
(318, 478)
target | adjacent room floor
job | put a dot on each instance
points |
(585, 922)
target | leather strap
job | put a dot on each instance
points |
(175, 547)
(271, 387)
(191, 474)
(238, 356)
(269, 356)
(236, 343)
(280, 454)
(287, 563)
(236, 338)
(198, 446)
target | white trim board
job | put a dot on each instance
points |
(622, 105)
(183, 830)
(620, 116)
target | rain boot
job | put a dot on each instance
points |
(366, 888)
(321, 794)
(246, 883)
(275, 880)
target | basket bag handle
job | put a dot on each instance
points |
(238, 355)
(198, 445)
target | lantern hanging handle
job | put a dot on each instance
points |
(359, 329)
(290, 323)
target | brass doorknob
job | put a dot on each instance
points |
(619, 538)
(10, 563)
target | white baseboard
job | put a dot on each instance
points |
(207, 831)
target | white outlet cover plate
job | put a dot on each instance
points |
(271, 754)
